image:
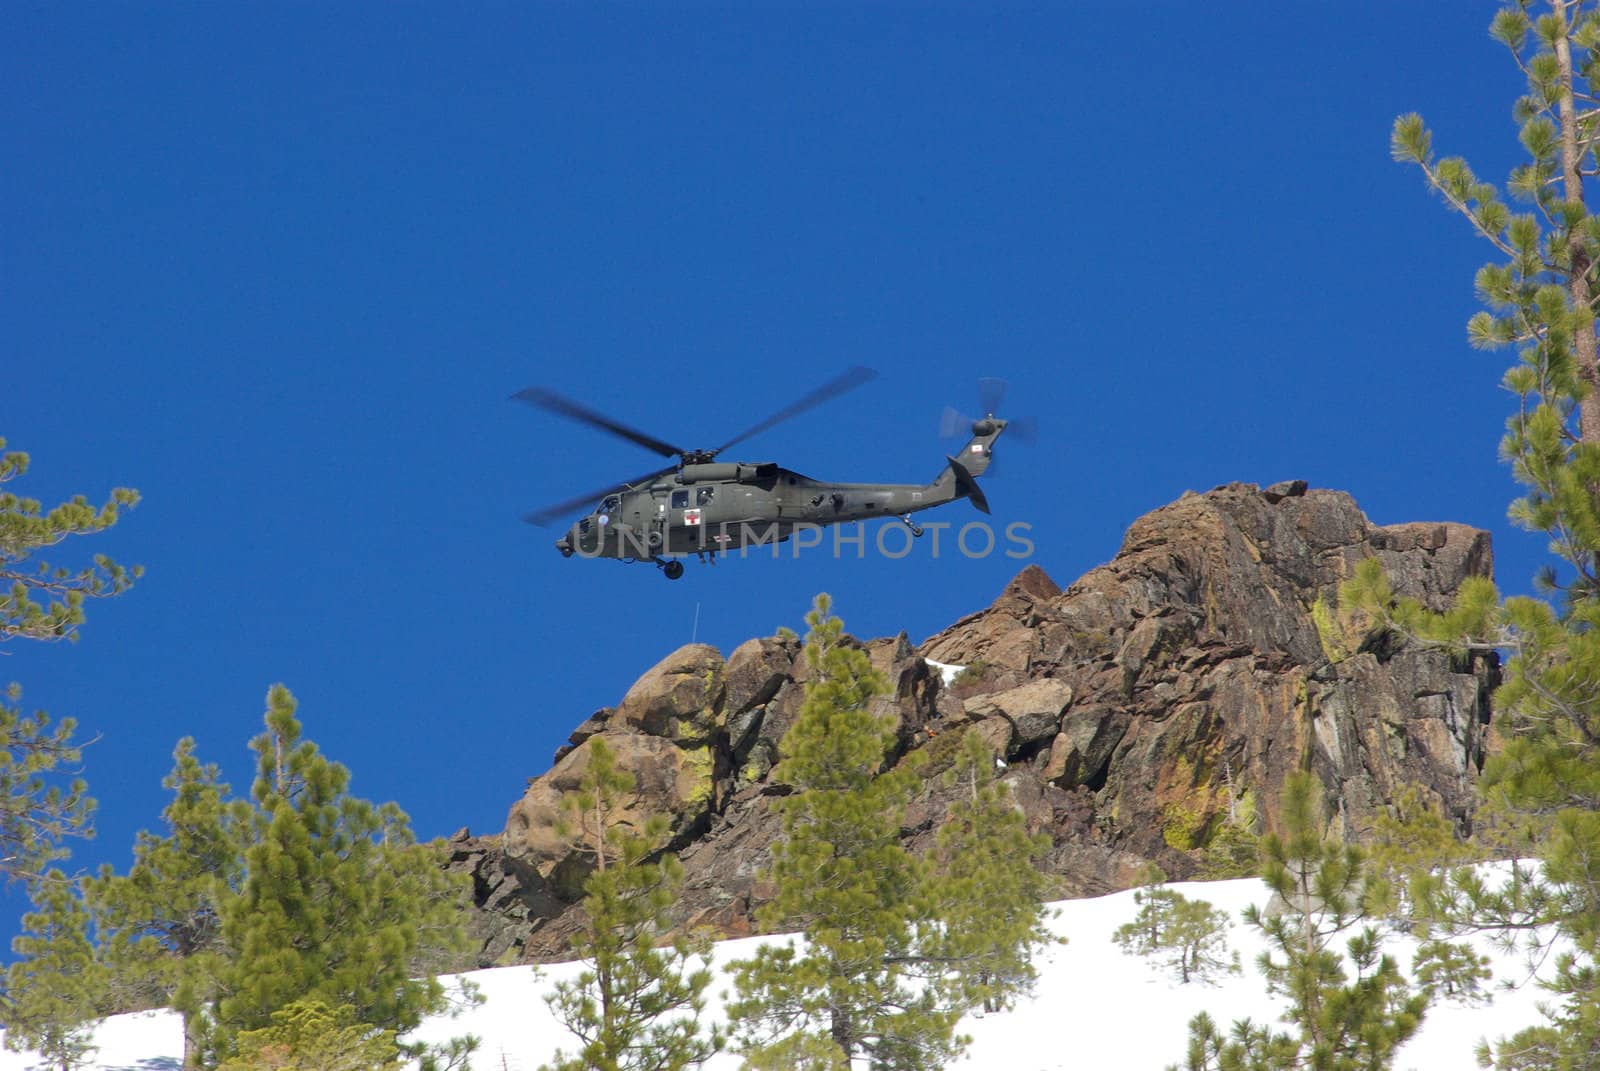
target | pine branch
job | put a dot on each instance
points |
(1461, 206)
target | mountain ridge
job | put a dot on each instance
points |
(1134, 709)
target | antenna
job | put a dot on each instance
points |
(694, 631)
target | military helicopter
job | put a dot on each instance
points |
(700, 505)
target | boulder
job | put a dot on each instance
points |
(554, 842)
(755, 671)
(680, 698)
(1081, 752)
(1033, 709)
(593, 724)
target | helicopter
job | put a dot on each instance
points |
(704, 506)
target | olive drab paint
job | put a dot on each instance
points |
(705, 507)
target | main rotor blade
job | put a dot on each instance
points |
(549, 399)
(845, 381)
(550, 513)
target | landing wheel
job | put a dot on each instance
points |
(672, 570)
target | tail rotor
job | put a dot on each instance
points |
(954, 425)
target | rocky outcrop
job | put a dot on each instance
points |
(1200, 671)
(1135, 710)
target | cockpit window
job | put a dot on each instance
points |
(610, 504)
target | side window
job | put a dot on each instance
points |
(610, 504)
(680, 499)
(704, 495)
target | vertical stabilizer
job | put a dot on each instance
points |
(958, 480)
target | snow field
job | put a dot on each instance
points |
(1095, 1006)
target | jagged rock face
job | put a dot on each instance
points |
(1131, 708)
(1197, 663)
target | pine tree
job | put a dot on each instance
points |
(54, 989)
(987, 894)
(636, 1006)
(1338, 1023)
(40, 601)
(308, 1035)
(335, 897)
(1411, 841)
(37, 809)
(56, 986)
(1540, 301)
(851, 987)
(1192, 934)
(1234, 849)
(44, 602)
(1451, 971)
(160, 925)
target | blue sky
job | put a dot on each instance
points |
(280, 267)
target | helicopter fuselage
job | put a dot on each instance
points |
(726, 506)
(717, 507)
(707, 507)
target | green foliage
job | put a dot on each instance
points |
(56, 985)
(38, 808)
(1472, 624)
(1223, 832)
(308, 1035)
(592, 812)
(895, 949)
(160, 925)
(54, 989)
(307, 894)
(797, 1052)
(1539, 294)
(1339, 636)
(970, 679)
(941, 751)
(1190, 936)
(1235, 846)
(1410, 844)
(40, 601)
(637, 1004)
(1338, 1022)
(1451, 971)
(838, 744)
(986, 892)
(842, 875)
(1148, 874)
(337, 898)
(1536, 1048)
